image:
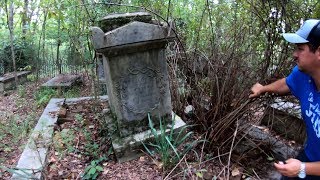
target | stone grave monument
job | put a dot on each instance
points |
(135, 67)
(7, 81)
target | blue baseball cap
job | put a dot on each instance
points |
(308, 32)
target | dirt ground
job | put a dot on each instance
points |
(18, 105)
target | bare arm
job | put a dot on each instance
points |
(279, 87)
(312, 168)
(292, 168)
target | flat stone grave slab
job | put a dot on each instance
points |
(64, 81)
(7, 80)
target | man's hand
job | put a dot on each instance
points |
(256, 90)
(290, 169)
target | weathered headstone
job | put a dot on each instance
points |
(136, 72)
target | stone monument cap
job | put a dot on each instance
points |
(137, 35)
(113, 21)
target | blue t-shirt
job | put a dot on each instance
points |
(303, 87)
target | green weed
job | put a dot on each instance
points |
(43, 96)
(71, 93)
(21, 91)
(91, 148)
(167, 144)
(31, 77)
(13, 131)
(16, 129)
(63, 141)
(92, 171)
(79, 119)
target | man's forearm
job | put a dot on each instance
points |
(313, 168)
(278, 87)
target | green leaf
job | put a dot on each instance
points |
(269, 158)
(184, 138)
(95, 176)
(199, 174)
(93, 163)
(99, 168)
(173, 148)
(92, 170)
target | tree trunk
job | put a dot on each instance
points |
(10, 26)
(58, 44)
(42, 40)
(24, 20)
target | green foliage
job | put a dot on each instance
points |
(91, 147)
(15, 129)
(44, 95)
(63, 142)
(21, 91)
(24, 55)
(79, 118)
(71, 93)
(92, 171)
(31, 77)
(167, 143)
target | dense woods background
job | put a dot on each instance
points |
(56, 32)
(222, 47)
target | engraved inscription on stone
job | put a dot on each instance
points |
(139, 91)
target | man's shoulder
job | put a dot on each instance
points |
(297, 73)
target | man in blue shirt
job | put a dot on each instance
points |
(304, 84)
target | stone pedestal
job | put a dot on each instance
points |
(136, 71)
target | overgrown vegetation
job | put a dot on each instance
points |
(168, 144)
(92, 171)
(15, 129)
(43, 95)
(82, 137)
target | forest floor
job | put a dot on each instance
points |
(19, 112)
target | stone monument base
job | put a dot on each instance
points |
(129, 148)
